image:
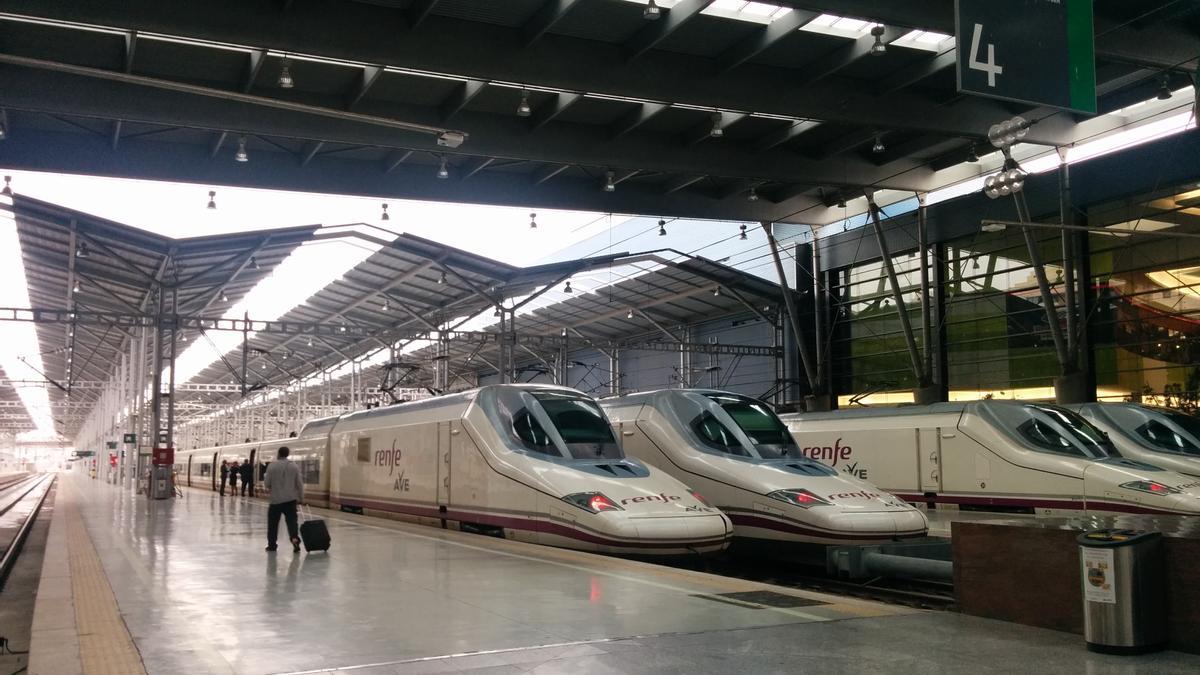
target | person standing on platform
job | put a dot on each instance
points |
(224, 476)
(283, 482)
(234, 471)
(247, 477)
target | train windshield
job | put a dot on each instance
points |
(1052, 429)
(735, 425)
(557, 423)
(1160, 429)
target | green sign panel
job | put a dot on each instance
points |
(1040, 52)
(111, 445)
(130, 438)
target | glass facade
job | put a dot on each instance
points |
(1140, 294)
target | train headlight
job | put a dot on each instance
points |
(1150, 487)
(594, 502)
(699, 497)
(799, 497)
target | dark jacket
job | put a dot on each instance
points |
(247, 471)
(224, 472)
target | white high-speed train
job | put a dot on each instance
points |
(993, 455)
(528, 462)
(1159, 436)
(737, 452)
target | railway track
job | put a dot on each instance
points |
(20, 503)
(804, 575)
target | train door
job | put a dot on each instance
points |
(446, 433)
(215, 471)
(189, 471)
(253, 471)
(929, 459)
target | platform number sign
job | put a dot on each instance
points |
(1039, 52)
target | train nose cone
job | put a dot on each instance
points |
(707, 532)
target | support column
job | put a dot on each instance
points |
(817, 398)
(928, 391)
(614, 371)
(885, 257)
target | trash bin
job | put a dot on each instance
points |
(1124, 591)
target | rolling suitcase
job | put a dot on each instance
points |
(314, 534)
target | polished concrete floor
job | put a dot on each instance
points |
(199, 594)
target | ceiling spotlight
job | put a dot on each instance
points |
(254, 262)
(878, 49)
(443, 172)
(1008, 132)
(309, 342)
(224, 298)
(75, 288)
(564, 332)
(1164, 88)
(386, 306)
(342, 327)
(242, 155)
(442, 278)
(1004, 183)
(567, 288)
(753, 196)
(182, 337)
(497, 312)
(662, 228)
(385, 215)
(533, 221)
(716, 131)
(212, 199)
(81, 251)
(629, 314)
(7, 191)
(652, 11)
(743, 235)
(609, 185)
(717, 292)
(3, 132)
(285, 75)
(879, 146)
(523, 109)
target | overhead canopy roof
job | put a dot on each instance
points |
(165, 90)
(116, 267)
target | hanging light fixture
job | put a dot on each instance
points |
(254, 262)
(75, 288)
(533, 221)
(442, 278)
(716, 131)
(629, 314)
(567, 288)
(310, 342)
(743, 235)
(443, 172)
(609, 185)
(1164, 88)
(285, 74)
(753, 196)
(385, 306)
(212, 199)
(652, 11)
(3, 131)
(242, 155)
(523, 109)
(717, 292)
(7, 191)
(878, 49)
(879, 146)
(81, 251)
(224, 298)
(342, 327)
(662, 228)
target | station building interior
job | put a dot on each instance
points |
(609, 336)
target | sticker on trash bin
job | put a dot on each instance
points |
(1098, 576)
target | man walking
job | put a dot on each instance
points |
(283, 482)
(224, 475)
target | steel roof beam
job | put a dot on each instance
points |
(461, 97)
(703, 131)
(254, 64)
(763, 39)
(549, 14)
(551, 109)
(639, 115)
(677, 184)
(654, 32)
(419, 10)
(844, 56)
(782, 135)
(394, 159)
(366, 79)
(914, 73)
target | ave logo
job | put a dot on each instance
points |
(390, 457)
(855, 470)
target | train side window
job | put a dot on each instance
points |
(364, 449)
(205, 469)
(531, 433)
(1047, 437)
(1162, 436)
(716, 435)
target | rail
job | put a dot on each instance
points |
(14, 548)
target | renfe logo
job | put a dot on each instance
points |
(651, 498)
(856, 495)
(388, 457)
(828, 454)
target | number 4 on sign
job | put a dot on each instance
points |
(988, 66)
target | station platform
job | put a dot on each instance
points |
(184, 586)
